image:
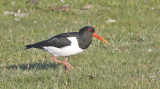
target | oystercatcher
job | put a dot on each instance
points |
(67, 44)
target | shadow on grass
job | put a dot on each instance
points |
(34, 66)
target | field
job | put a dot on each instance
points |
(131, 59)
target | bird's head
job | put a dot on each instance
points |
(89, 31)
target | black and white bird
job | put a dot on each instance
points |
(67, 44)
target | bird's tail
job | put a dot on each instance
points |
(29, 46)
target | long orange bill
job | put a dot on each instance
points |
(96, 35)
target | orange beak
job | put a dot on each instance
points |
(97, 36)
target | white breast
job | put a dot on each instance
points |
(67, 50)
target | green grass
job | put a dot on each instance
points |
(130, 60)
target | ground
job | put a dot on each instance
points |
(130, 60)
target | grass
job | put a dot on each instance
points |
(130, 60)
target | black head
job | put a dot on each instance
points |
(86, 34)
(87, 31)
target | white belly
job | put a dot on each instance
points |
(67, 50)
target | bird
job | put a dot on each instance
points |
(68, 44)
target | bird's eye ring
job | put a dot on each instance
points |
(89, 30)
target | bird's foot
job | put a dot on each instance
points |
(67, 65)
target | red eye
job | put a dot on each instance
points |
(89, 30)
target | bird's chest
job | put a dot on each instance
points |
(84, 43)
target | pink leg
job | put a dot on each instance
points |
(54, 59)
(65, 60)
(67, 65)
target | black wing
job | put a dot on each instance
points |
(58, 41)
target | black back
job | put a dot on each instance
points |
(58, 41)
